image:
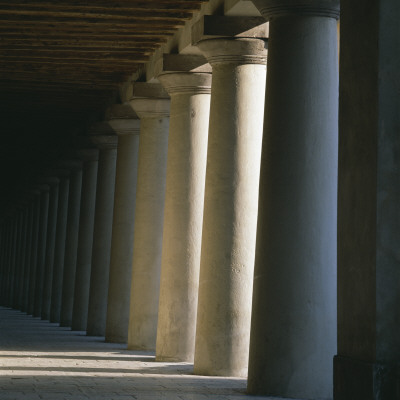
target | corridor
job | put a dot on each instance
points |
(40, 360)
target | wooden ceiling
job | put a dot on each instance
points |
(69, 56)
(62, 61)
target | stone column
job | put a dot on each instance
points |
(9, 261)
(41, 251)
(23, 271)
(34, 252)
(149, 215)
(183, 214)
(126, 126)
(59, 249)
(71, 243)
(19, 217)
(368, 358)
(230, 205)
(90, 159)
(293, 333)
(50, 246)
(97, 305)
(28, 252)
(13, 258)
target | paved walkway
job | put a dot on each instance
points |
(40, 360)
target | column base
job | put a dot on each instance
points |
(360, 380)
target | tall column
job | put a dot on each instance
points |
(28, 252)
(97, 305)
(18, 256)
(13, 258)
(127, 127)
(368, 359)
(149, 215)
(293, 333)
(183, 214)
(50, 246)
(34, 251)
(59, 247)
(230, 205)
(90, 159)
(25, 223)
(41, 252)
(71, 243)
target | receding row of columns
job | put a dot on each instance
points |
(146, 234)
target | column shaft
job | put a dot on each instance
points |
(71, 246)
(59, 250)
(149, 215)
(293, 332)
(50, 247)
(85, 240)
(28, 259)
(99, 278)
(117, 320)
(183, 215)
(41, 252)
(230, 205)
(34, 252)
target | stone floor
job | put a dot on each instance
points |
(40, 360)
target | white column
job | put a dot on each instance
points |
(183, 214)
(71, 242)
(59, 251)
(118, 301)
(50, 246)
(230, 205)
(90, 159)
(99, 277)
(293, 336)
(149, 215)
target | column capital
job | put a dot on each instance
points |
(150, 100)
(234, 51)
(104, 142)
(186, 82)
(72, 164)
(125, 126)
(88, 154)
(41, 187)
(279, 8)
(49, 180)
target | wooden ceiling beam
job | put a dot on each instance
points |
(28, 44)
(93, 14)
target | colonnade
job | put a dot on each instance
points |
(165, 218)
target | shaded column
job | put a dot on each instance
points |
(59, 247)
(149, 214)
(28, 252)
(293, 333)
(71, 242)
(34, 252)
(18, 256)
(41, 250)
(12, 259)
(85, 238)
(97, 306)
(53, 182)
(368, 359)
(183, 214)
(230, 205)
(125, 124)
(24, 236)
